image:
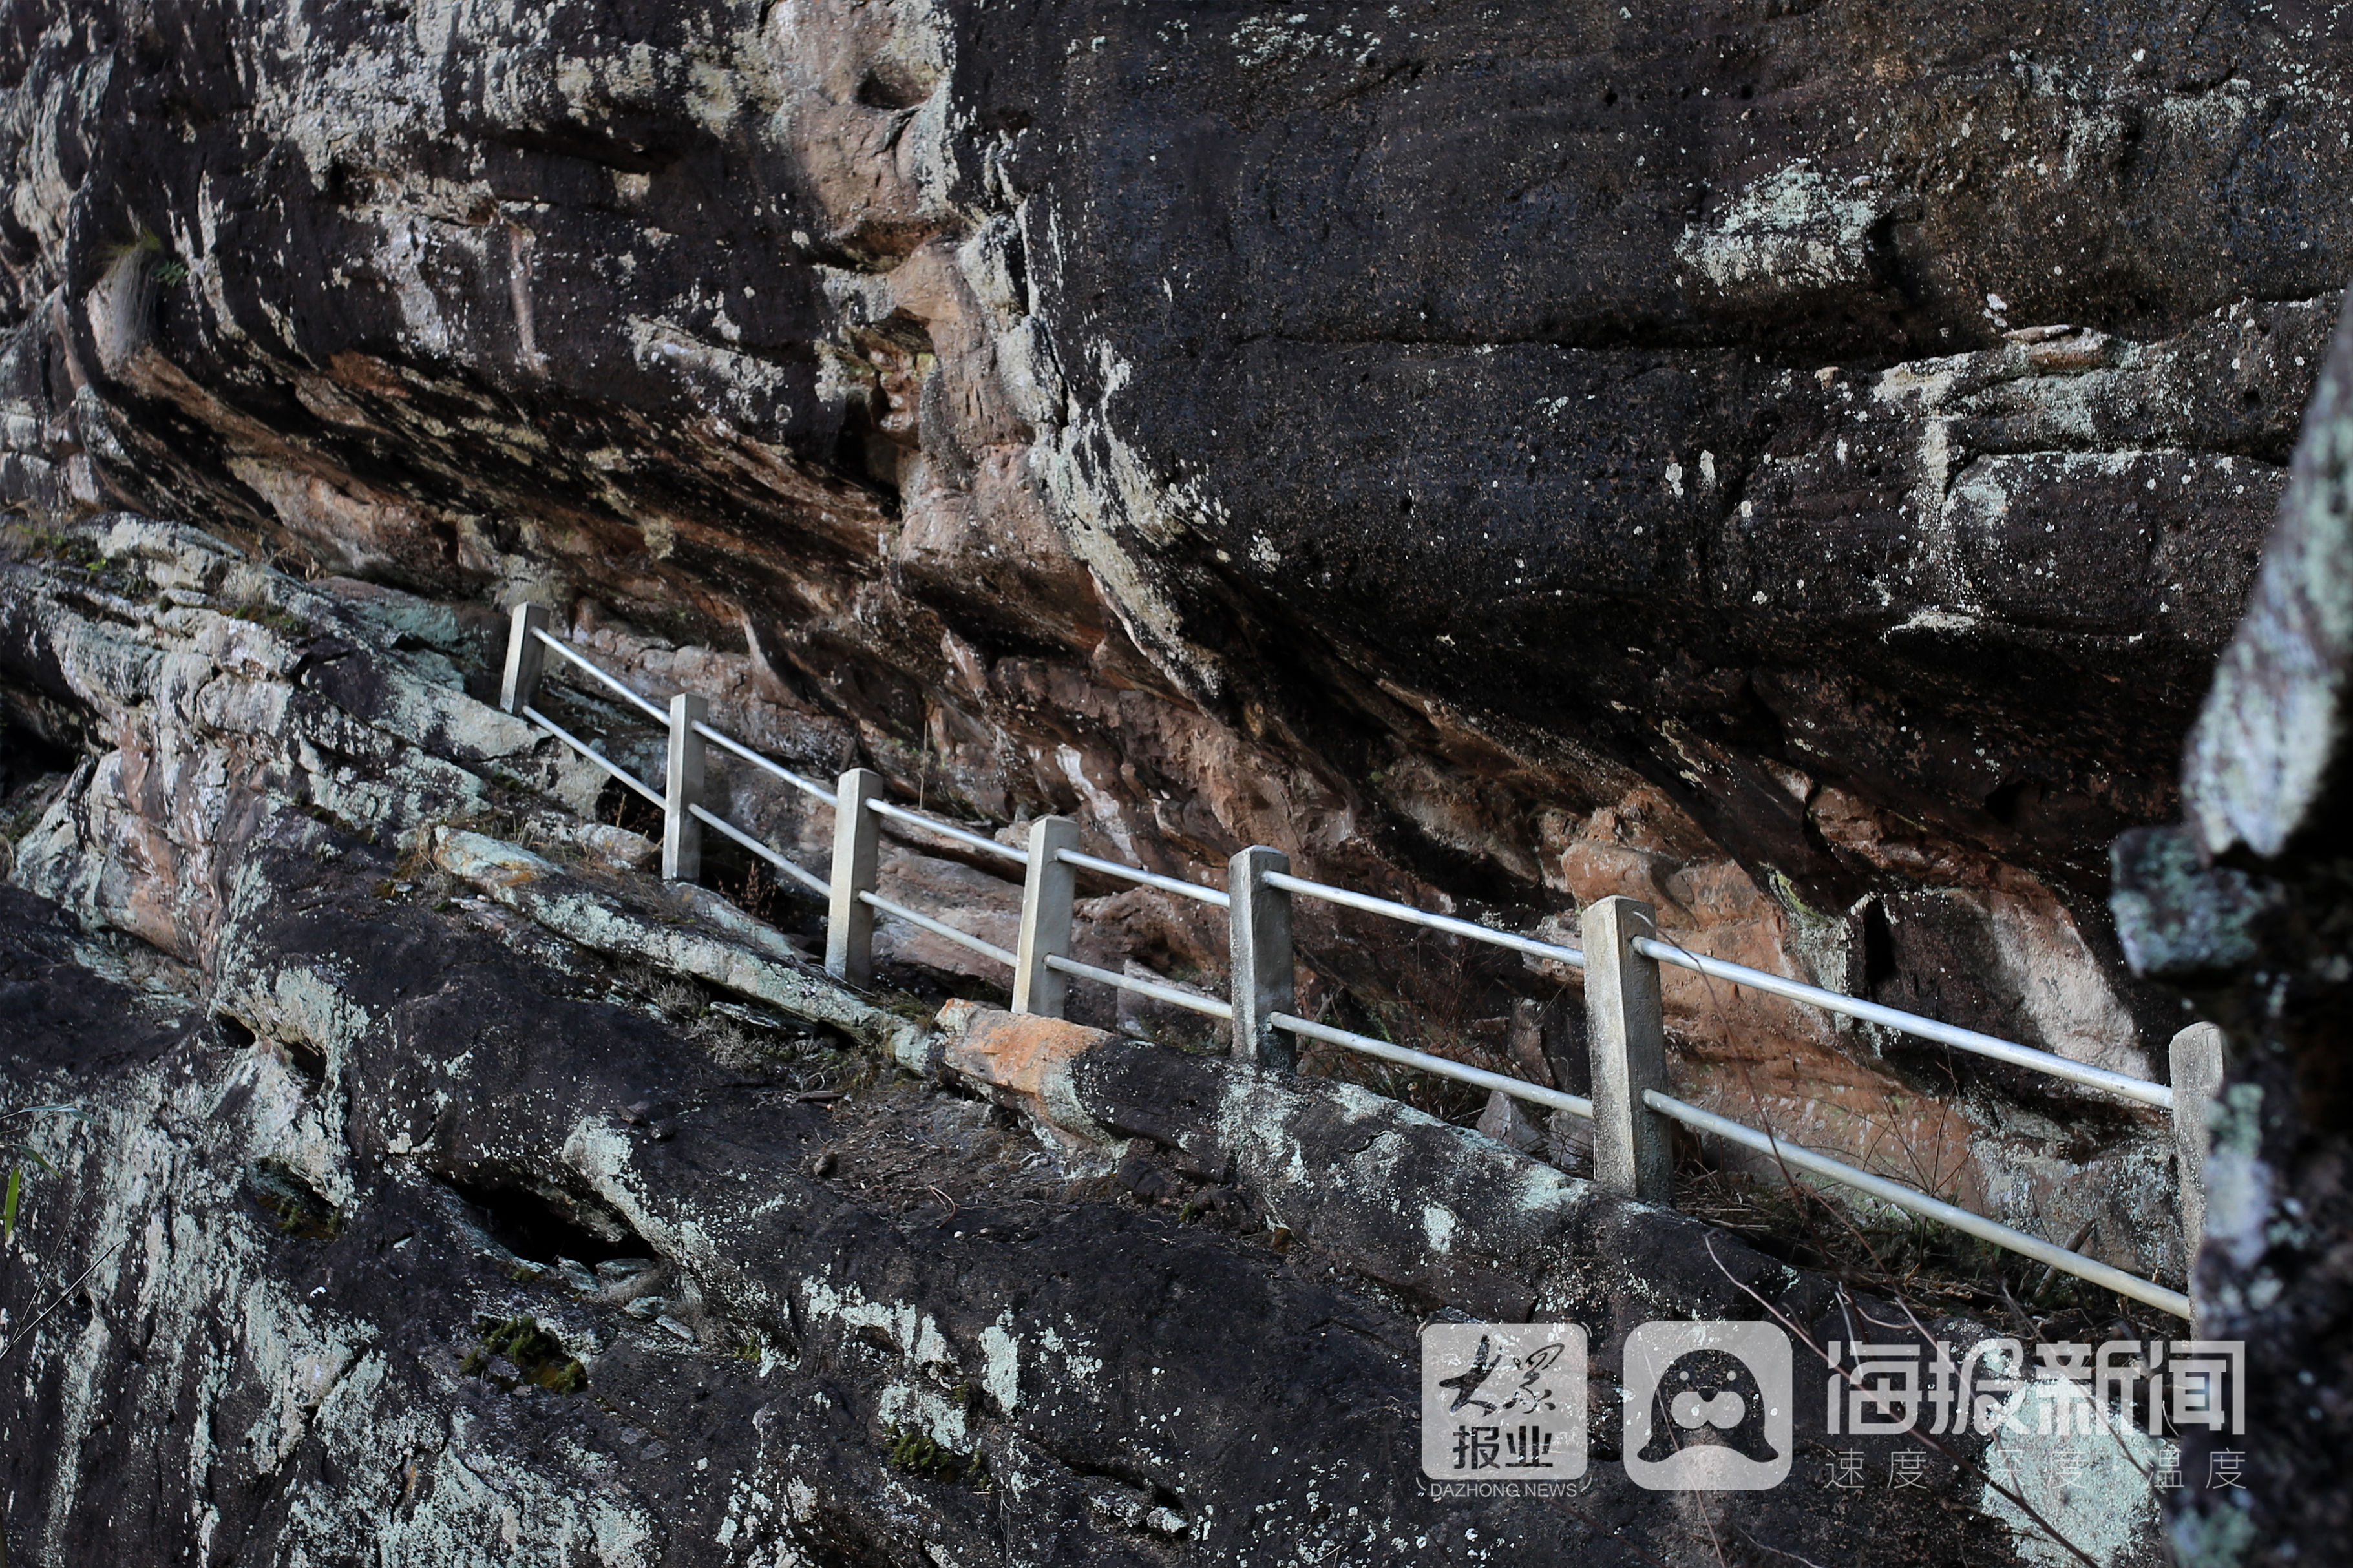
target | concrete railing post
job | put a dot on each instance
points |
(1626, 1033)
(1258, 938)
(857, 845)
(681, 834)
(2194, 1066)
(525, 653)
(1045, 895)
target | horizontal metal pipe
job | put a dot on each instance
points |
(597, 757)
(1407, 912)
(1149, 878)
(657, 714)
(808, 786)
(1518, 1088)
(808, 879)
(937, 928)
(980, 841)
(1920, 1203)
(2143, 1090)
(1210, 1004)
(2140, 1089)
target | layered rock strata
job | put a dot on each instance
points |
(1792, 466)
(436, 1200)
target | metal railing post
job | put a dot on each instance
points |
(857, 845)
(1045, 895)
(1626, 1033)
(525, 653)
(1258, 938)
(681, 834)
(2194, 1066)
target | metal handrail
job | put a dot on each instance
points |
(2131, 1087)
(1212, 1005)
(1919, 1203)
(808, 879)
(722, 739)
(2138, 1088)
(627, 695)
(1411, 916)
(593, 755)
(1895, 1193)
(1181, 887)
(948, 829)
(2143, 1090)
(1911, 1199)
(937, 928)
(1442, 1067)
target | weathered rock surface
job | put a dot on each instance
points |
(281, 1340)
(2245, 905)
(582, 1221)
(1496, 457)
(1501, 457)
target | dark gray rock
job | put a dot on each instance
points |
(2247, 902)
(1508, 455)
(2177, 917)
(411, 1374)
(1483, 454)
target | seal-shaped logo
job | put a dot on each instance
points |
(1707, 1406)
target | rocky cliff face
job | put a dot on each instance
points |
(446, 1201)
(1794, 464)
(1795, 468)
(2245, 905)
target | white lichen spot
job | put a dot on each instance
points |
(1001, 1369)
(1792, 232)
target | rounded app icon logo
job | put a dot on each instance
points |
(1707, 1406)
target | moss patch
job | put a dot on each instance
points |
(516, 1350)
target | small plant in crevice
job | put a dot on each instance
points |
(170, 270)
(759, 896)
(293, 1205)
(515, 1352)
(285, 622)
(54, 548)
(919, 1455)
(21, 1154)
(681, 1001)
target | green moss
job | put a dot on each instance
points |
(298, 1210)
(536, 1356)
(918, 1454)
(52, 547)
(283, 622)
